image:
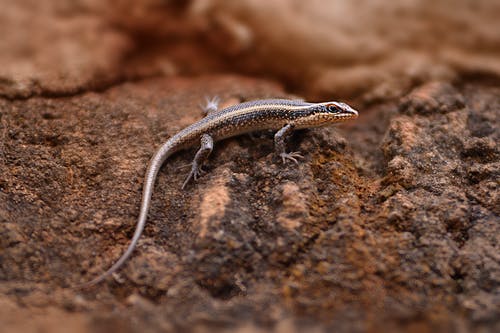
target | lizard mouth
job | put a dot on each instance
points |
(347, 114)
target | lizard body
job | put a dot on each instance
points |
(276, 114)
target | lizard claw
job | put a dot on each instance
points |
(180, 167)
(293, 156)
(195, 173)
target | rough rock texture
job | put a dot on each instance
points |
(391, 223)
(405, 231)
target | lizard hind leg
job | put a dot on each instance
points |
(207, 145)
(211, 105)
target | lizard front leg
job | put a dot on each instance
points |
(280, 146)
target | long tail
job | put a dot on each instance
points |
(154, 166)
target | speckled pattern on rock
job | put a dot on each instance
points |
(391, 221)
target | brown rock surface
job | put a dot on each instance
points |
(390, 223)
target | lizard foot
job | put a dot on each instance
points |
(195, 173)
(293, 156)
(212, 105)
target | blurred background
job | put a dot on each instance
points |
(367, 50)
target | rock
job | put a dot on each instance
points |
(390, 223)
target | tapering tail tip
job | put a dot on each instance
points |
(86, 285)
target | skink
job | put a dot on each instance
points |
(275, 114)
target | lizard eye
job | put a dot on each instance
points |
(332, 108)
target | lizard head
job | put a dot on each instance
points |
(324, 114)
(337, 111)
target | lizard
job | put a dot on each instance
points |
(283, 115)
